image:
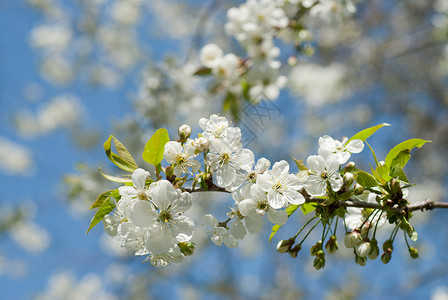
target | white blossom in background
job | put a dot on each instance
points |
(440, 293)
(15, 159)
(62, 111)
(64, 286)
(355, 217)
(282, 187)
(30, 236)
(321, 173)
(328, 146)
(51, 37)
(319, 85)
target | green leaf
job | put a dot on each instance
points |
(155, 147)
(376, 175)
(104, 209)
(289, 210)
(124, 153)
(307, 208)
(125, 162)
(116, 179)
(383, 172)
(365, 179)
(374, 155)
(245, 90)
(203, 71)
(366, 133)
(100, 199)
(231, 104)
(396, 156)
(397, 172)
(300, 164)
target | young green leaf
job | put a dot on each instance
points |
(397, 172)
(393, 157)
(289, 210)
(203, 71)
(125, 162)
(366, 133)
(365, 179)
(300, 164)
(155, 147)
(115, 179)
(383, 172)
(100, 199)
(307, 208)
(104, 209)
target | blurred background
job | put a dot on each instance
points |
(74, 71)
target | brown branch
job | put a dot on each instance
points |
(424, 205)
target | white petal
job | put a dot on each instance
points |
(159, 240)
(163, 193)
(355, 146)
(276, 200)
(277, 216)
(182, 228)
(253, 223)
(336, 182)
(294, 197)
(332, 164)
(316, 163)
(265, 181)
(210, 220)
(262, 165)
(142, 214)
(237, 229)
(247, 206)
(127, 191)
(280, 167)
(139, 177)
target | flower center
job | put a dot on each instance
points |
(225, 158)
(164, 217)
(324, 175)
(279, 188)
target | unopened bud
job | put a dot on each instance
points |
(295, 250)
(374, 250)
(319, 263)
(388, 245)
(352, 239)
(413, 252)
(348, 179)
(201, 143)
(360, 260)
(284, 246)
(363, 249)
(332, 245)
(359, 189)
(184, 132)
(187, 248)
(315, 248)
(349, 166)
(386, 256)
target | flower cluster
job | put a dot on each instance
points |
(255, 24)
(149, 215)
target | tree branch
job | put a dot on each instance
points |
(424, 205)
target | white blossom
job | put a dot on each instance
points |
(340, 149)
(322, 172)
(282, 187)
(181, 157)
